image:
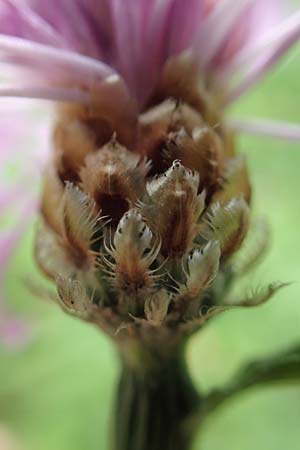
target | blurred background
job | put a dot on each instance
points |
(56, 392)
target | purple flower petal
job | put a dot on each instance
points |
(247, 21)
(116, 31)
(216, 28)
(184, 24)
(140, 33)
(63, 15)
(279, 130)
(133, 37)
(52, 64)
(58, 94)
(258, 59)
(18, 19)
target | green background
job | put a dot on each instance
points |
(57, 392)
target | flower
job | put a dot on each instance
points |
(145, 201)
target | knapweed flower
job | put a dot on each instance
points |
(145, 200)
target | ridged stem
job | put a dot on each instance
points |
(153, 406)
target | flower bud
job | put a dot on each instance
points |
(174, 196)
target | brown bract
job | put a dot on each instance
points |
(174, 209)
(115, 178)
(143, 212)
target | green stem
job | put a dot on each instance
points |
(153, 406)
(157, 406)
(284, 367)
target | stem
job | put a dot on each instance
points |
(282, 367)
(153, 406)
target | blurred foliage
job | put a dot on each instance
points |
(57, 392)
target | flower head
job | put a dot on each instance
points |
(145, 201)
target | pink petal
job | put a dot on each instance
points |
(18, 19)
(58, 94)
(138, 29)
(134, 37)
(126, 18)
(98, 21)
(255, 20)
(216, 28)
(184, 24)
(52, 64)
(151, 31)
(279, 130)
(63, 15)
(259, 59)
